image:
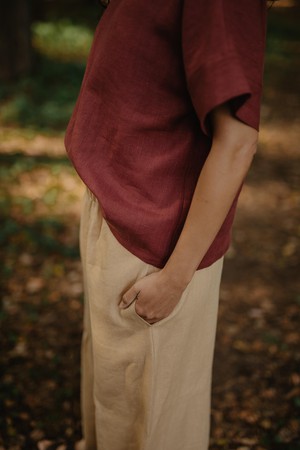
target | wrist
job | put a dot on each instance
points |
(177, 275)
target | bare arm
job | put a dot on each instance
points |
(234, 145)
(233, 148)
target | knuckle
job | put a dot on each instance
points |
(127, 298)
(151, 315)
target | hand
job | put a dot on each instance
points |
(156, 294)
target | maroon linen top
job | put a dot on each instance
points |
(140, 132)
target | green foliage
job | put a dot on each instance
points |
(62, 40)
(21, 233)
(14, 164)
(45, 100)
(283, 39)
(43, 235)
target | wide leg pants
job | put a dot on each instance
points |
(144, 387)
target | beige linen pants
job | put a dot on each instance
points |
(144, 387)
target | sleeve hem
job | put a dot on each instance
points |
(218, 82)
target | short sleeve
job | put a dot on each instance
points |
(223, 44)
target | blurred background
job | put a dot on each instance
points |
(256, 385)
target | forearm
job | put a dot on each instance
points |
(233, 148)
(217, 186)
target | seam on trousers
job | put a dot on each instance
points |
(152, 388)
(153, 384)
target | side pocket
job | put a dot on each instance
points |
(161, 322)
(132, 306)
(175, 311)
(130, 312)
(172, 314)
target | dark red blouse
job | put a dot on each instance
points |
(140, 131)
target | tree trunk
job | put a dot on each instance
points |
(15, 44)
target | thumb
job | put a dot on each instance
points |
(128, 297)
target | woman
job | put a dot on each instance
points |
(163, 133)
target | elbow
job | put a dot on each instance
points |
(235, 156)
(245, 150)
(242, 155)
(233, 140)
(238, 149)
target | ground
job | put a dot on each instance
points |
(256, 377)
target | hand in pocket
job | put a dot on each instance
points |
(155, 294)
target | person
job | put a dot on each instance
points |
(163, 133)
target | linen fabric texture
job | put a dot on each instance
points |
(144, 387)
(140, 131)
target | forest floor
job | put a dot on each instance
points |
(256, 377)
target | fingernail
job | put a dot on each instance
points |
(122, 305)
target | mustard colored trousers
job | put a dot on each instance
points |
(143, 387)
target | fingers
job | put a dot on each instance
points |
(129, 296)
(146, 312)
